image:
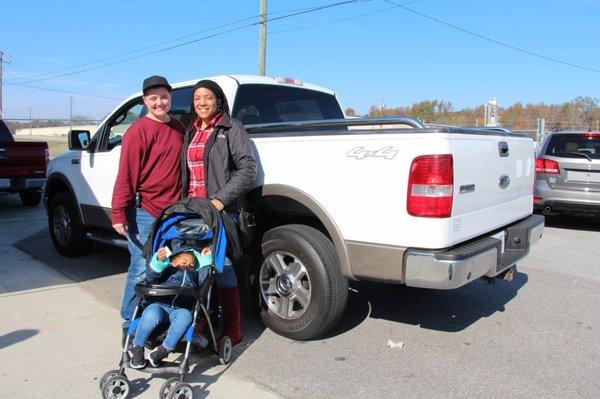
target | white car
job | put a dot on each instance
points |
(434, 207)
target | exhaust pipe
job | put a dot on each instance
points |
(506, 275)
(547, 209)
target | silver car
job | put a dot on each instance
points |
(568, 174)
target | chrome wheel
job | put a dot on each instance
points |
(61, 224)
(285, 285)
(116, 387)
(181, 391)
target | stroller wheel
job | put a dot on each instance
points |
(106, 376)
(166, 387)
(225, 350)
(116, 387)
(181, 391)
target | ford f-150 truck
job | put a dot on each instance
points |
(336, 199)
(22, 167)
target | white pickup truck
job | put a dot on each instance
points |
(336, 198)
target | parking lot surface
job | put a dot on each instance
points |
(536, 336)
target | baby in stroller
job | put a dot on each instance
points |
(186, 249)
(184, 267)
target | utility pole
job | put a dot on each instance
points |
(30, 121)
(1, 62)
(70, 113)
(262, 38)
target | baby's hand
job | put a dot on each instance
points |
(206, 251)
(161, 254)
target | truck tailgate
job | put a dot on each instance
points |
(21, 159)
(493, 182)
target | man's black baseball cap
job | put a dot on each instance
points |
(155, 81)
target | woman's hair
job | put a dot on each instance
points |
(222, 105)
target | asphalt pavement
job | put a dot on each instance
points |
(534, 337)
(59, 335)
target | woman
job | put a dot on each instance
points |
(218, 164)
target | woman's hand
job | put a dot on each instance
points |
(217, 204)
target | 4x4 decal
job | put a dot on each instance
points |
(361, 153)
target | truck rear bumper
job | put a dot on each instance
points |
(487, 256)
(18, 184)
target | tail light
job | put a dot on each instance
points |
(431, 186)
(591, 135)
(543, 165)
(47, 156)
(289, 81)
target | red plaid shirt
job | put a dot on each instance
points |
(195, 157)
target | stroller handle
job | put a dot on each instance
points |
(145, 289)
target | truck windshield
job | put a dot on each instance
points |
(256, 103)
(572, 145)
(5, 134)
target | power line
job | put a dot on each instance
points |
(146, 47)
(43, 22)
(318, 8)
(341, 19)
(167, 42)
(63, 91)
(493, 40)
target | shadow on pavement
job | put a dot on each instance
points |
(101, 261)
(582, 223)
(450, 311)
(17, 336)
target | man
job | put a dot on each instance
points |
(149, 179)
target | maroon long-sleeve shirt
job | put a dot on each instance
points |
(150, 165)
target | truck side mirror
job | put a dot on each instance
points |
(79, 139)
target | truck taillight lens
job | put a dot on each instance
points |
(543, 165)
(431, 186)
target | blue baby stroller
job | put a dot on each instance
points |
(194, 223)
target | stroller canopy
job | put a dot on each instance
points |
(190, 220)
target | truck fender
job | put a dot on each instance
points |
(56, 182)
(320, 213)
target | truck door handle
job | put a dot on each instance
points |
(74, 161)
(503, 148)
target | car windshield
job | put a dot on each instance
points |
(575, 145)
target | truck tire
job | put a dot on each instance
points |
(30, 198)
(66, 231)
(302, 291)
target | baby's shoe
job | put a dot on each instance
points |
(137, 358)
(157, 355)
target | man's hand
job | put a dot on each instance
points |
(120, 228)
(218, 204)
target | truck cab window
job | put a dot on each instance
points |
(256, 103)
(119, 124)
(181, 102)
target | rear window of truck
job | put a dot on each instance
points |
(256, 103)
(570, 145)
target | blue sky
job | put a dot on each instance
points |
(390, 53)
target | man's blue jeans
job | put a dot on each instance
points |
(153, 315)
(139, 224)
